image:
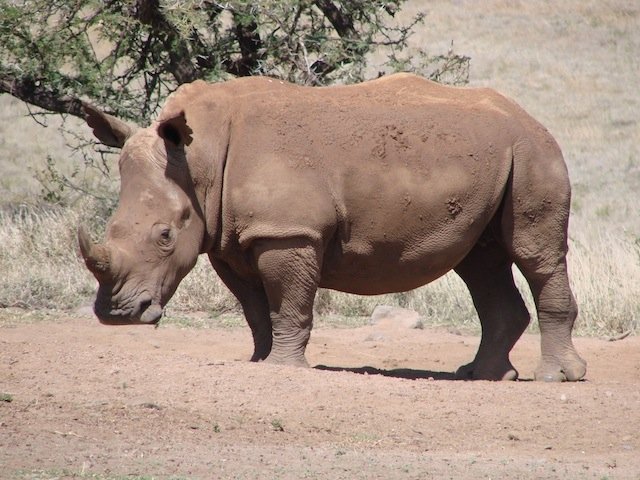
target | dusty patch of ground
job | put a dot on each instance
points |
(83, 400)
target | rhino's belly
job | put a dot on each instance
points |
(380, 282)
(372, 268)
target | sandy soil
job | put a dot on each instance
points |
(89, 401)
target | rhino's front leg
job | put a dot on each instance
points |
(290, 272)
(255, 307)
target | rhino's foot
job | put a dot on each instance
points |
(260, 354)
(474, 371)
(262, 343)
(293, 360)
(569, 367)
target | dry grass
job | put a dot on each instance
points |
(573, 65)
(605, 274)
(38, 261)
(42, 270)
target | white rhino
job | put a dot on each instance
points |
(372, 188)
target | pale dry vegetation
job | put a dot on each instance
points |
(38, 260)
(42, 270)
(573, 65)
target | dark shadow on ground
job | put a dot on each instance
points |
(407, 373)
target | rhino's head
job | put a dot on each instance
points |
(156, 233)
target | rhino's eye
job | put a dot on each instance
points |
(164, 236)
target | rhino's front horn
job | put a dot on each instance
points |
(97, 257)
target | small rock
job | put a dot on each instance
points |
(395, 317)
(375, 337)
(85, 311)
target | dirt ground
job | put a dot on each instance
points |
(82, 400)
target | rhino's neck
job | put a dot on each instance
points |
(209, 167)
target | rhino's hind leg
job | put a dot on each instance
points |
(255, 307)
(557, 312)
(534, 228)
(290, 272)
(503, 316)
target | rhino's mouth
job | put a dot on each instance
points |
(152, 314)
(143, 312)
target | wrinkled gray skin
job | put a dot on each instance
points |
(375, 188)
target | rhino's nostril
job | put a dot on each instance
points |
(144, 304)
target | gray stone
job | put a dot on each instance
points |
(386, 316)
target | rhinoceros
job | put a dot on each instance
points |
(378, 187)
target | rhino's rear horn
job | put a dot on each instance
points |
(96, 257)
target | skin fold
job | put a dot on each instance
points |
(372, 188)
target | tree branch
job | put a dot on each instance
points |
(250, 43)
(340, 21)
(344, 26)
(35, 93)
(148, 12)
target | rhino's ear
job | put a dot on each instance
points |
(175, 130)
(110, 130)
